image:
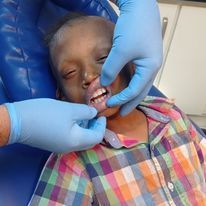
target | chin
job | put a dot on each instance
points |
(109, 112)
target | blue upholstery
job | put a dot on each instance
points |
(20, 168)
(25, 74)
(3, 96)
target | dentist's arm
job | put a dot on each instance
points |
(137, 38)
(50, 124)
(4, 126)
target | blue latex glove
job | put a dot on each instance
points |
(137, 38)
(54, 125)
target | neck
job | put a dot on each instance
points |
(133, 125)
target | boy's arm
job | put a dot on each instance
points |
(63, 181)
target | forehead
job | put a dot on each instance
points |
(91, 27)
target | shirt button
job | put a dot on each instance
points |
(170, 186)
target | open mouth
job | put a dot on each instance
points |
(97, 95)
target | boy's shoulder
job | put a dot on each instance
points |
(165, 109)
(161, 104)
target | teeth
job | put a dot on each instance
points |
(103, 90)
(98, 92)
(101, 99)
(98, 100)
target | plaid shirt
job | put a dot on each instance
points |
(170, 169)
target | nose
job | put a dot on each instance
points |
(89, 76)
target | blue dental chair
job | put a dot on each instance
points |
(24, 74)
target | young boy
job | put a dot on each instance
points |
(152, 156)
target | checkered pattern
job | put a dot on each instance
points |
(168, 170)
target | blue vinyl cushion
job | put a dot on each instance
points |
(20, 167)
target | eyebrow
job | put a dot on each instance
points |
(105, 48)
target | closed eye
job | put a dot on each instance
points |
(102, 59)
(69, 74)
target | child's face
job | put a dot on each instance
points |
(78, 58)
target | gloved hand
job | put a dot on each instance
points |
(53, 125)
(137, 38)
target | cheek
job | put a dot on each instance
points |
(74, 93)
(118, 85)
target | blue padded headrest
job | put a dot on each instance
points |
(24, 67)
(3, 95)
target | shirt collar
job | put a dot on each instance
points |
(159, 104)
(156, 108)
(118, 141)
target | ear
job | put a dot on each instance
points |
(60, 95)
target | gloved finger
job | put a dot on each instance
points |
(87, 147)
(83, 112)
(129, 106)
(142, 76)
(92, 135)
(113, 65)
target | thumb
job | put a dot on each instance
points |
(96, 131)
(83, 112)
